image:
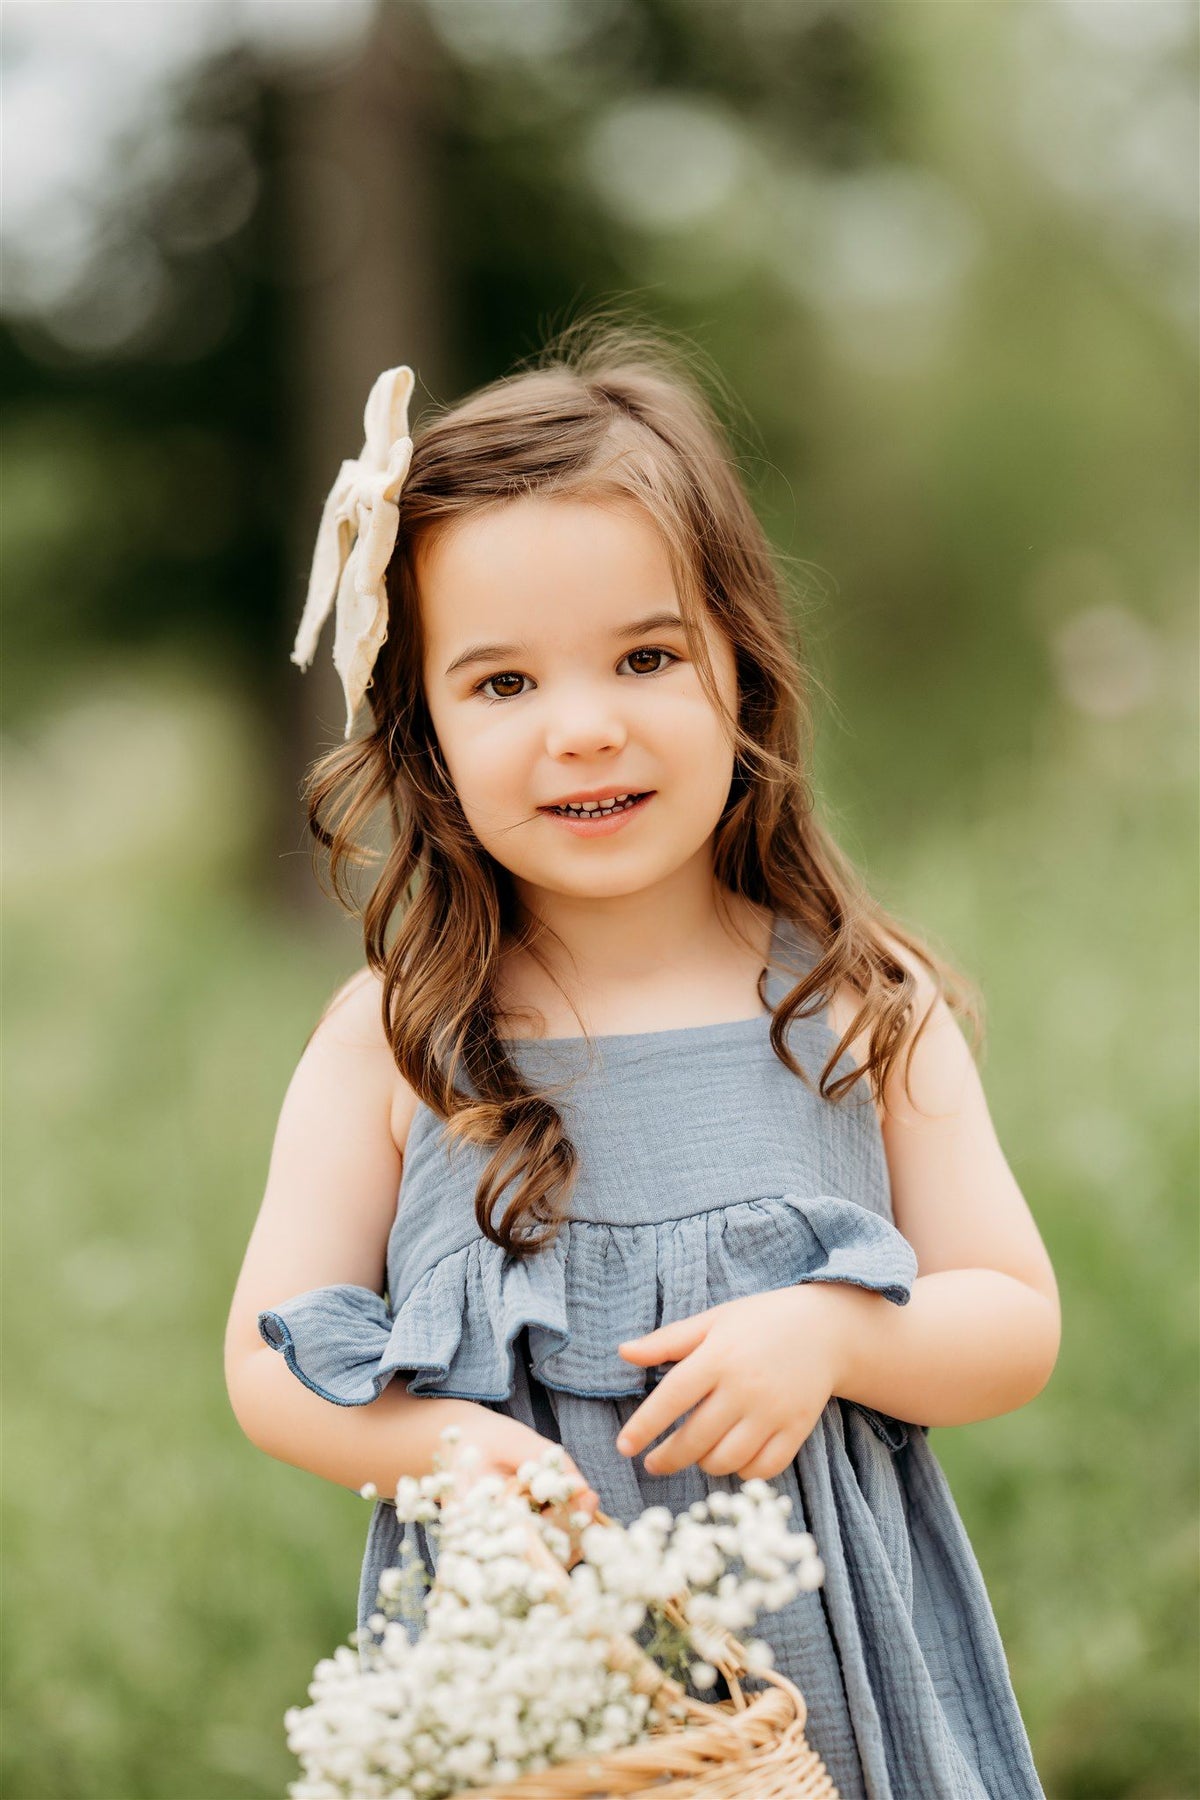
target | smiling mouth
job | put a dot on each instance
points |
(588, 810)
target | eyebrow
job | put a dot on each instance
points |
(477, 653)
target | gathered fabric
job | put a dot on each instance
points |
(707, 1172)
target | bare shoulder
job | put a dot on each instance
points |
(353, 1022)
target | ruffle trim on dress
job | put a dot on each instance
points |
(453, 1332)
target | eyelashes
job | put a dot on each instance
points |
(644, 674)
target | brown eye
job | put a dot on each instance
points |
(646, 650)
(507, 675)
(511, 675)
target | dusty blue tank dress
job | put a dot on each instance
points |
(707, 1171)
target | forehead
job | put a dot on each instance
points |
(533, 555)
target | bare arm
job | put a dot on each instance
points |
(970, 1344)
(396, 1435)
(981, 1333)
(325, 1216)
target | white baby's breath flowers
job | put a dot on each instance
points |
(510, 1671)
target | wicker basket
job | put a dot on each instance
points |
(744, 1748)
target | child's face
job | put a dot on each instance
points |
(571, 701)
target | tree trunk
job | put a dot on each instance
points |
(359, 204)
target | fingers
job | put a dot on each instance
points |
(504, 1445)
(584, 1496)
(706, 1427)
(730, 1454)
(586, 1499)
(774, 1457)
(669, 1342)
(686, 1385)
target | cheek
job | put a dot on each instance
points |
(462, 730)
(489, 761)
(695, 738)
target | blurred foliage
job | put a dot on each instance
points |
(941, 260)
(146, 491)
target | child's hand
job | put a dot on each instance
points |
(504, 1444)
(760, 1372)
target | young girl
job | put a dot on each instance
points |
(674, 1113)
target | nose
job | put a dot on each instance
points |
(584, 724)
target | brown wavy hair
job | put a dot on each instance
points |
(607, 410)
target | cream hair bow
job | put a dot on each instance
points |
(355, 541)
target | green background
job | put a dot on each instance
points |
(943, 257)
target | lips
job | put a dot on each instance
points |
(599, 822)
(596, 796)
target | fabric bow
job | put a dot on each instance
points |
(355, 541)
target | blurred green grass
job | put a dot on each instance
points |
(170, 1588)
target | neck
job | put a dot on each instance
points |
(680, 925)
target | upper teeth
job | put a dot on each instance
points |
(595, 805)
